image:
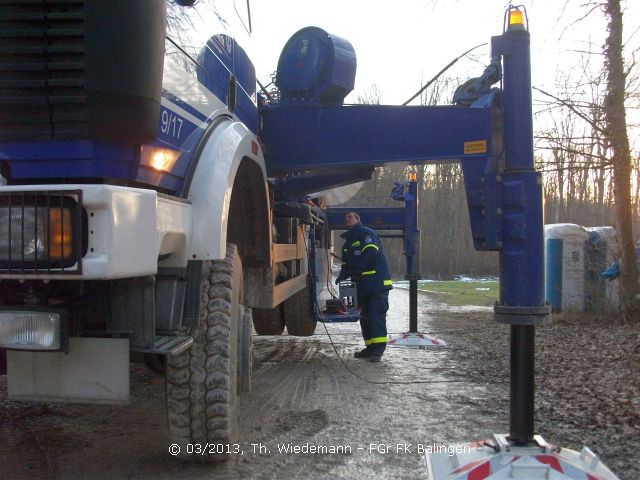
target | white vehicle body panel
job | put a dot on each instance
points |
(128, 229)
(212, 185)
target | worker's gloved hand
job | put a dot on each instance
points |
(355, 276)
(341, 277)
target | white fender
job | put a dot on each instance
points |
(212, 184)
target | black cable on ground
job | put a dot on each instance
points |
(388, 382)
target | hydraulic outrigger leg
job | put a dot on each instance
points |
(412, 251)
(521, 454)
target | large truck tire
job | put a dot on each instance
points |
(201, 395)
(298, 314)
(268, 321)
(245, 353)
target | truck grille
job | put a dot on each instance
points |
(42, 85)
(41, 232)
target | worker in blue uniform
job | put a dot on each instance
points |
(364, 261)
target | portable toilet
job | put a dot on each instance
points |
(602, 251)
(565, 266)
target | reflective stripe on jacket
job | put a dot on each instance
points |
(364, 261)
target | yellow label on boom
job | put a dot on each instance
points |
(473, 148)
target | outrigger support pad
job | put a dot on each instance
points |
(499, 458)
(415, 339)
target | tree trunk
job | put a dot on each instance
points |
(617, 132)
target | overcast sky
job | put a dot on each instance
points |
(403, 43)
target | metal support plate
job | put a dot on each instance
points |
(167, 345)
(522, 315)
(339, 317)
(415, 339)
(95, 370)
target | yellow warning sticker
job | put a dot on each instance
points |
(473, 148)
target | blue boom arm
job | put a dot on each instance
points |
(325, 137)
(318, 147)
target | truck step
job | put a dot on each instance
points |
(347, 317)
(167, 345)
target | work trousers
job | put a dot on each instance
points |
(373, 320)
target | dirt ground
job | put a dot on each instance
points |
(303, 395)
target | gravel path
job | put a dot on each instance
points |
(587, 394)
(587, 380)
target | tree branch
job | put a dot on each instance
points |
(571, 107)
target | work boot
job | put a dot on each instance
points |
(375, 357)
(364, 353)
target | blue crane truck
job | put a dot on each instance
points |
(152, 200)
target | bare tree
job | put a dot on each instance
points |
(592, 165)
(372, 96)
(615, 115)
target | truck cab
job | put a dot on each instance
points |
(136, 214)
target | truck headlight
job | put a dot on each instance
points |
(23, 233)
(39, 230)
(30, 329)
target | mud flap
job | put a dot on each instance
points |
(95, 370)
